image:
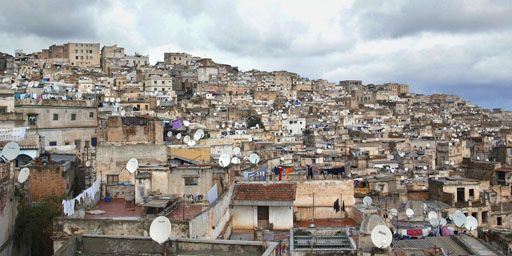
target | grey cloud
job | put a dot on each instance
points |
(401, 18)
(48, 19)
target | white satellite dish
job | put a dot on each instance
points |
(112, 100)
(178, 136)
(319, 151)
(199, 134)
(186, 123)
(23, 175)
(443, 222)
(123, 113)
(88, 163)
(118, 100)
(169, 134)
(432, 215)
(10, 151)
(224, 160)
(254, 158)
(367, 201)
(434, 222)
(459, 218)
(409, 212)
(381, 236)
(236, 151)
(186, 139)
(235, 160)
(78, 95)
(160, 229)
(471, 223)
(393, 212)
(191, 143)
(132, 165)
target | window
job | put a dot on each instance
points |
(77, 143)
(112, 179)
(66, 143)
(484, 217)
(191, 181)
(55, 117)
(499, 221)
(73, 117)
(91, 114)
(53, 143)
(471, 192)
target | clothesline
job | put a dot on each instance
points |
(69, 205)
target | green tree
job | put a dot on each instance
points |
(34, 226)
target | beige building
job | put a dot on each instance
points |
(177, 58)
(82, 54)
(60, 123)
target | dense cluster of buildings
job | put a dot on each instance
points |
(302, 154)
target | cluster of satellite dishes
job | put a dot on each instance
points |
(187, 139)
(460, 220)
(112, 100)
(226, 159)
(9, 152)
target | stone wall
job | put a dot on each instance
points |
(324, 193)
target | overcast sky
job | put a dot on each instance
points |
(458, 47)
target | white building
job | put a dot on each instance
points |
(263, 205)
(294, 126)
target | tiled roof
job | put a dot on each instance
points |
(265, 192)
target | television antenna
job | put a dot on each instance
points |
(10, 151)
(160, 229)
(381, 236)
(224, 160)
(132, 165)
(23, 175)
(254, 158)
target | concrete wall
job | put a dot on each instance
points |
(244, 217)
(281, 217)
(65, 228)
(324, 193)
(210, 223)
(7, 217)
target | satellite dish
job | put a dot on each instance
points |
(471, 223)
(199, 134)
(88, 163)
(169, 134)
(78, 95)
(112, 100)
(123, 113)
(409, 212)
(254, 158)
(235, 160)
(236, 151)
(319, 151)
(393, 212)
(191, 143)
(132, 165)
(443, 222)
(459, 218)
(178, 136)
(118, 100)
(186, 123)
(432, 215)
(10, 151)
(160, 229)
(23, 175)
(367, 201)
(434, 222)
(186, 139)
(381, 236)
(224, 160)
